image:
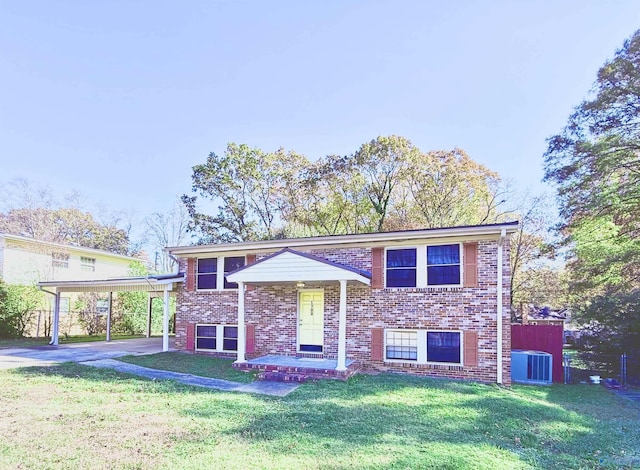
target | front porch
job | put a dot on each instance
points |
(298, 369)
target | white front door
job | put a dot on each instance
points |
(311, 320)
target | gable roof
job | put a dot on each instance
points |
(65, 247)
(360, 239)
(288, 265)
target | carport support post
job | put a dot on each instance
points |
(241, 333)
(165, 322)
(109, 306)
(56, 319)
(342, 328)
(149, 310)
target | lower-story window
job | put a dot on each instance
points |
(424, 346)
(206, 337)
(443, 346)
(220, 338)
(230, 342)
(402, 345)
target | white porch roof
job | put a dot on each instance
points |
(127, 284)
(289, 265)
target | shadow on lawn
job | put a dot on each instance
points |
(410, 415)
(411, 419)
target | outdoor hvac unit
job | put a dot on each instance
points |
(532, 367)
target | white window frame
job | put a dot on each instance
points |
(65, 305)
(422, 346)
(418, 274)
(87, 264)
(60, 260)
(461, 253)
(460, 332)
(421, 268)
(395, 359)
(219, 273)
(219, 338)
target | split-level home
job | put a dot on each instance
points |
(431, 302)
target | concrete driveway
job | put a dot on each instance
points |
(79, 352)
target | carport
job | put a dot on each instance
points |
(156, 286)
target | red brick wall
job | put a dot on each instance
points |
(273, 311)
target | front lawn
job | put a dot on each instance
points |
(204, 366)
(73, 416)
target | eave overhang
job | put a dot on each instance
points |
(491, 231)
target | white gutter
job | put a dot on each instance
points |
(499, 286)
(352, 240)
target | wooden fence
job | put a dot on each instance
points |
(547, 338)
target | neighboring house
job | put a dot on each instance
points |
(430, 302)
(27, 261)
(548, 316)
(533, 315)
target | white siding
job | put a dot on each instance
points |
(290, 267)
(25, 263)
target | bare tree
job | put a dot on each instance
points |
(168, 229)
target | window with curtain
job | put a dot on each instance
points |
(206, 337)
(443, 265)
(207, 276)
(230, 340)
(443, 346)
(231, 263)
(401, 267)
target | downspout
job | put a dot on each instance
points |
(499, 286)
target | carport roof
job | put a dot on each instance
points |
(153, 283)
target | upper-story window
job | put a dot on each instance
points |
(87, 264)
(433, 265)
(443, 265)
(231, 263)
(208, 269)
(207, 273)
(59, 260)
(401, 267)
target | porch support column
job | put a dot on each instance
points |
(56, 319)
(109, 306)
(165, 321)
(342, 328)
(149, 310)
(241, 332)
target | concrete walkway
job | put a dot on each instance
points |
(101, 354)
(632, 395)
(79, 352)
(278, 389)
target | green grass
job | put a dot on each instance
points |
(28, 342)
(73, 416)
(22, 342)
(205, 366)
(93, 338)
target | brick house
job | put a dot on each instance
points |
(430, 302)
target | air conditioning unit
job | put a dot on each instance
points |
(531, 367)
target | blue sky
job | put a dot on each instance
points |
(120, 99)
